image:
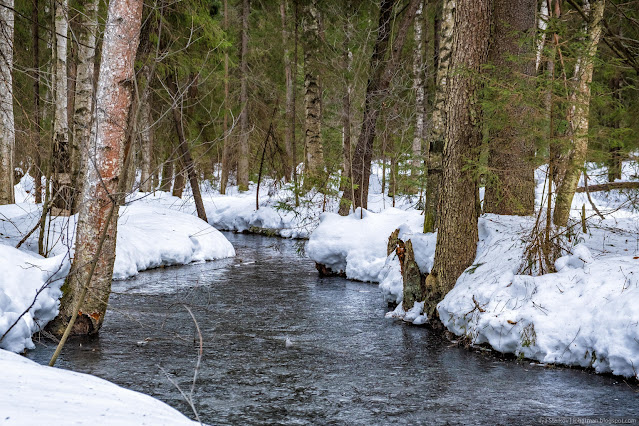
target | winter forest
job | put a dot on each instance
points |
(312, 212)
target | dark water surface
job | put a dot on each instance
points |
(346, 363)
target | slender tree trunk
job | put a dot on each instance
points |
(106, 153)
(458, 235)
(7, 122)
(376, 92)
(187, 160)
(418, 87)
(243, 157)
(443, 48)
(542, 24)
(312, 96)
(180, 181)
(289, 134)
(146, 132)
(35, 32)
(226, 150)
(614, 149)
(578, 115)
(511, 188)
(346, 183)
(86, 33)
(61, 155)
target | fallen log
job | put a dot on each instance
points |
(609, 186)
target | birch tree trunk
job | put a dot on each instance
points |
(7, 122)
(578, 114)
(312, 96)
(106, 154)
(381, 71)
(61, 155)
(436, 137)
(510, 189)
(243, 157)
(418, 87)
(289, 134)
(346, 183)
(226, 150)
(458, 235)
(86, 33)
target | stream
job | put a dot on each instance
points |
(343, 362)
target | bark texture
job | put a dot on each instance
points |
(457, 236)
(106, 153)
(418, 87)
(243, 157)
(312, 96)
(444, 39)
(289, 134)
(61, 154)
(578, 114)
(510, 188)
(7, 122)
(146, 131)
(86, 33)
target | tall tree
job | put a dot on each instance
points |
(226, 150)
(578, 113)
(7, 122)
(61, 155)
(94, 255)
(510, 188)
(243, 155)
(418, 87)
(458, 235)
(289, 135)
(86, 33)
(443, 49)
(313, 95)
(37, 160)
(381, 72)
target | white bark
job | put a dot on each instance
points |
(7, 123)
(542, 24)
(61, 118)
(84, 94)
(418, 86)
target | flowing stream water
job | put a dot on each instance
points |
(283, 346)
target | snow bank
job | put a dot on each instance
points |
(25, 276)
(148, 236)
(34, 395)
(356, 244)
(585, 314)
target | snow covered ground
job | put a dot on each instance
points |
(585, 314)
(33, 394)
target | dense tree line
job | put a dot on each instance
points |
(447, 95)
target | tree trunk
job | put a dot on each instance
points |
(289, 134)
(346, 183)
(61, 156)
(578, 115)
(443, 47)
(106, 153)
(7, 122)
(226, 150)
(418, 87)
(511, 187)
(381, 72)
(458, 235)
(37, 157)
(189, 167)
(146, 132)
(180, 182)
(243, 158)
(86, 33)
(312, 97)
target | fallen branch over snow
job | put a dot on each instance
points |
(609, 186)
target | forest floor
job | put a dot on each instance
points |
(584, 314)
